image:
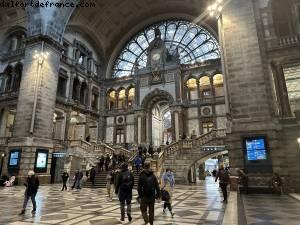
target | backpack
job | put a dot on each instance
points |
(165, 196)
(126, 183)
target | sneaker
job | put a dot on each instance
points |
(33, 211)
(22, 212)
(172, 214)
(224, 201)
(129, 218)
(122, 218)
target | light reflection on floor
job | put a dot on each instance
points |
(200, 204)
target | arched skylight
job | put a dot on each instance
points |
(195, 44)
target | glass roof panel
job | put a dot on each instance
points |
(194, 43)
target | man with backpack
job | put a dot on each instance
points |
(124, 186)
(224, 180)
(148, 191)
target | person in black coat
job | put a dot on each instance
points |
(107, 162)
(148, 191)
(32, 186)
(65, 177)
(124, 186)
(92, 175)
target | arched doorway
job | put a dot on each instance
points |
(159, 127)
(161, 124)
(198, 170)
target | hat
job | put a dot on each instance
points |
(30, 173)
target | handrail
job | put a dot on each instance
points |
(157, 162)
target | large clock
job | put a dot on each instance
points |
(155, 57)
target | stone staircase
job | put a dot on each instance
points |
(100, 180)
(180, 155)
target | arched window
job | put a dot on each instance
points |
(121, 99)
(283, 17)
(192, 42)
(9, 79)
(207, 126)
(84, 93)
(76, 87)
(16, 40)
(18, 77)
(205, 86)
(95, 98)
(131, 95)
(111, 99)
(192, 89)
(218, 85)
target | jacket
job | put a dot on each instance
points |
(148, 185)
(124, 185)
(32, 185)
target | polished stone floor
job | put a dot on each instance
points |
(193, 205)
(271, 210)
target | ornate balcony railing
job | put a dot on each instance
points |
(12, 54)
(159, 159)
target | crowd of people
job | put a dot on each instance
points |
(120, 182)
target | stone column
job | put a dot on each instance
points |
(248, 85)
(89, 97)
(68, 122)
(101, 110)
(35, 132)
(71, 84)
(281, 90)
(47, 85)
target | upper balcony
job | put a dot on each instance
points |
(19, 53)
(283, 42)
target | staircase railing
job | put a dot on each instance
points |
(158, 160)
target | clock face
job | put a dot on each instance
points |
(156, 57)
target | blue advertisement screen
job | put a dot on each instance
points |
(14, 158)
(256, 149)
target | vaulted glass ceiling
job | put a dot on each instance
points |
(194, 43)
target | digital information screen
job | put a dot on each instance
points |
(256, 149)
(14, 158)
(41, 160)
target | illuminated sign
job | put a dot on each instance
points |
(41, 160)
(256, 149)
(14, 158)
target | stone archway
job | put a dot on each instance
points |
(204, 159)
(163, 100)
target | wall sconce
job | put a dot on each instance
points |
(40, 56)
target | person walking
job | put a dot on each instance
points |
(224, 179)
(77, 180)
(107, 162)
(92, 175)
(65, 177)
(32, 186)
(138, 163)
(101, 163)
(168, 183)
(110, 180)
(148, 191)
(124, 186)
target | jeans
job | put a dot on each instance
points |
(145, 204)
(223, 187)
(64, 186)
(122, 207)
(26, 198)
